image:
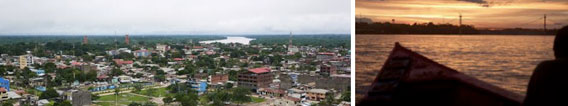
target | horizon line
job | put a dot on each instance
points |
(161, 34)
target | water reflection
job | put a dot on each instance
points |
(505, 61)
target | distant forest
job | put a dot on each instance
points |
(431, 28)
(106, 39)
(44, 45)
(327, 41)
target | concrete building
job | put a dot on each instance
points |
(326, 69)
(142, 53)
(5, 83)
(26, 60)
(162, 48)
(81, 98)
(271, 92)
(255, 78)
(293, 49)
(39, 72)
(199, 86)
(325, 56)
(219, 78)
(3, 94)
(317, 94)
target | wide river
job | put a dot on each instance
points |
(502, 60)
(242, 40)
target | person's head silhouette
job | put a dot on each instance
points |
(561, 43)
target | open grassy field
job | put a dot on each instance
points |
(160, 92)
(257, 100)
(123, 98)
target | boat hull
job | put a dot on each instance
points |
(408, 78)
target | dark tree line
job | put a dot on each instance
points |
(431, 28)
(416, 28)
(327, 41)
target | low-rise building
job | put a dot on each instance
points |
(162, 48)
(317, 94)
(325, 56)
(3, 94)
(326, 69)
(81, 98)
(271, 92)
(218, 78)
(5, 83)
(288, 101)
(142, 53)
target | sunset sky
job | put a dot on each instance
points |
(480, 13)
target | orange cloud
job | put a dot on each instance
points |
(501, 13)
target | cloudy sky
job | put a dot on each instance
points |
(480, 13)
(95, 17)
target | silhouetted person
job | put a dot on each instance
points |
(549, 82)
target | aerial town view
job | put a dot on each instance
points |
(60, 55)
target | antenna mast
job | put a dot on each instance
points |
(460, 25)
(545, 24)
(290, 41)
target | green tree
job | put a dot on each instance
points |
(228, 85)
(48, 94)
(168, 100)
(137, 87)
(233, 75)
(346, 95)
(7, 103)
(219, 97)
(116, 72)
(91, 76)
(160, 78)
(187, 98)
(125, 56)
(328, 101)
(134, 104)
(240, 95)
(116, 93)
(151, 91)
(49, 67)
(149, 104)
(64, 103)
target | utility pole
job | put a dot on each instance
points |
(290, 41)
(545, 24)
(460, 25)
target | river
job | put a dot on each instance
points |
(503, 60)
(242, 40)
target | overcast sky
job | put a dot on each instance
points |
(233, 17)
(480, 13)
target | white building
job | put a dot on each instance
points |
(162, 48)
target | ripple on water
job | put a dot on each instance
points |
(505, 61)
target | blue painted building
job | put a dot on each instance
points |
(5, 83)
(142, 53)
(40, 88)
(199, 86)
(39, 72)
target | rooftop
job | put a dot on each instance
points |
(326, 53)
(318, 90)
(259, 70)
(2, 89)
